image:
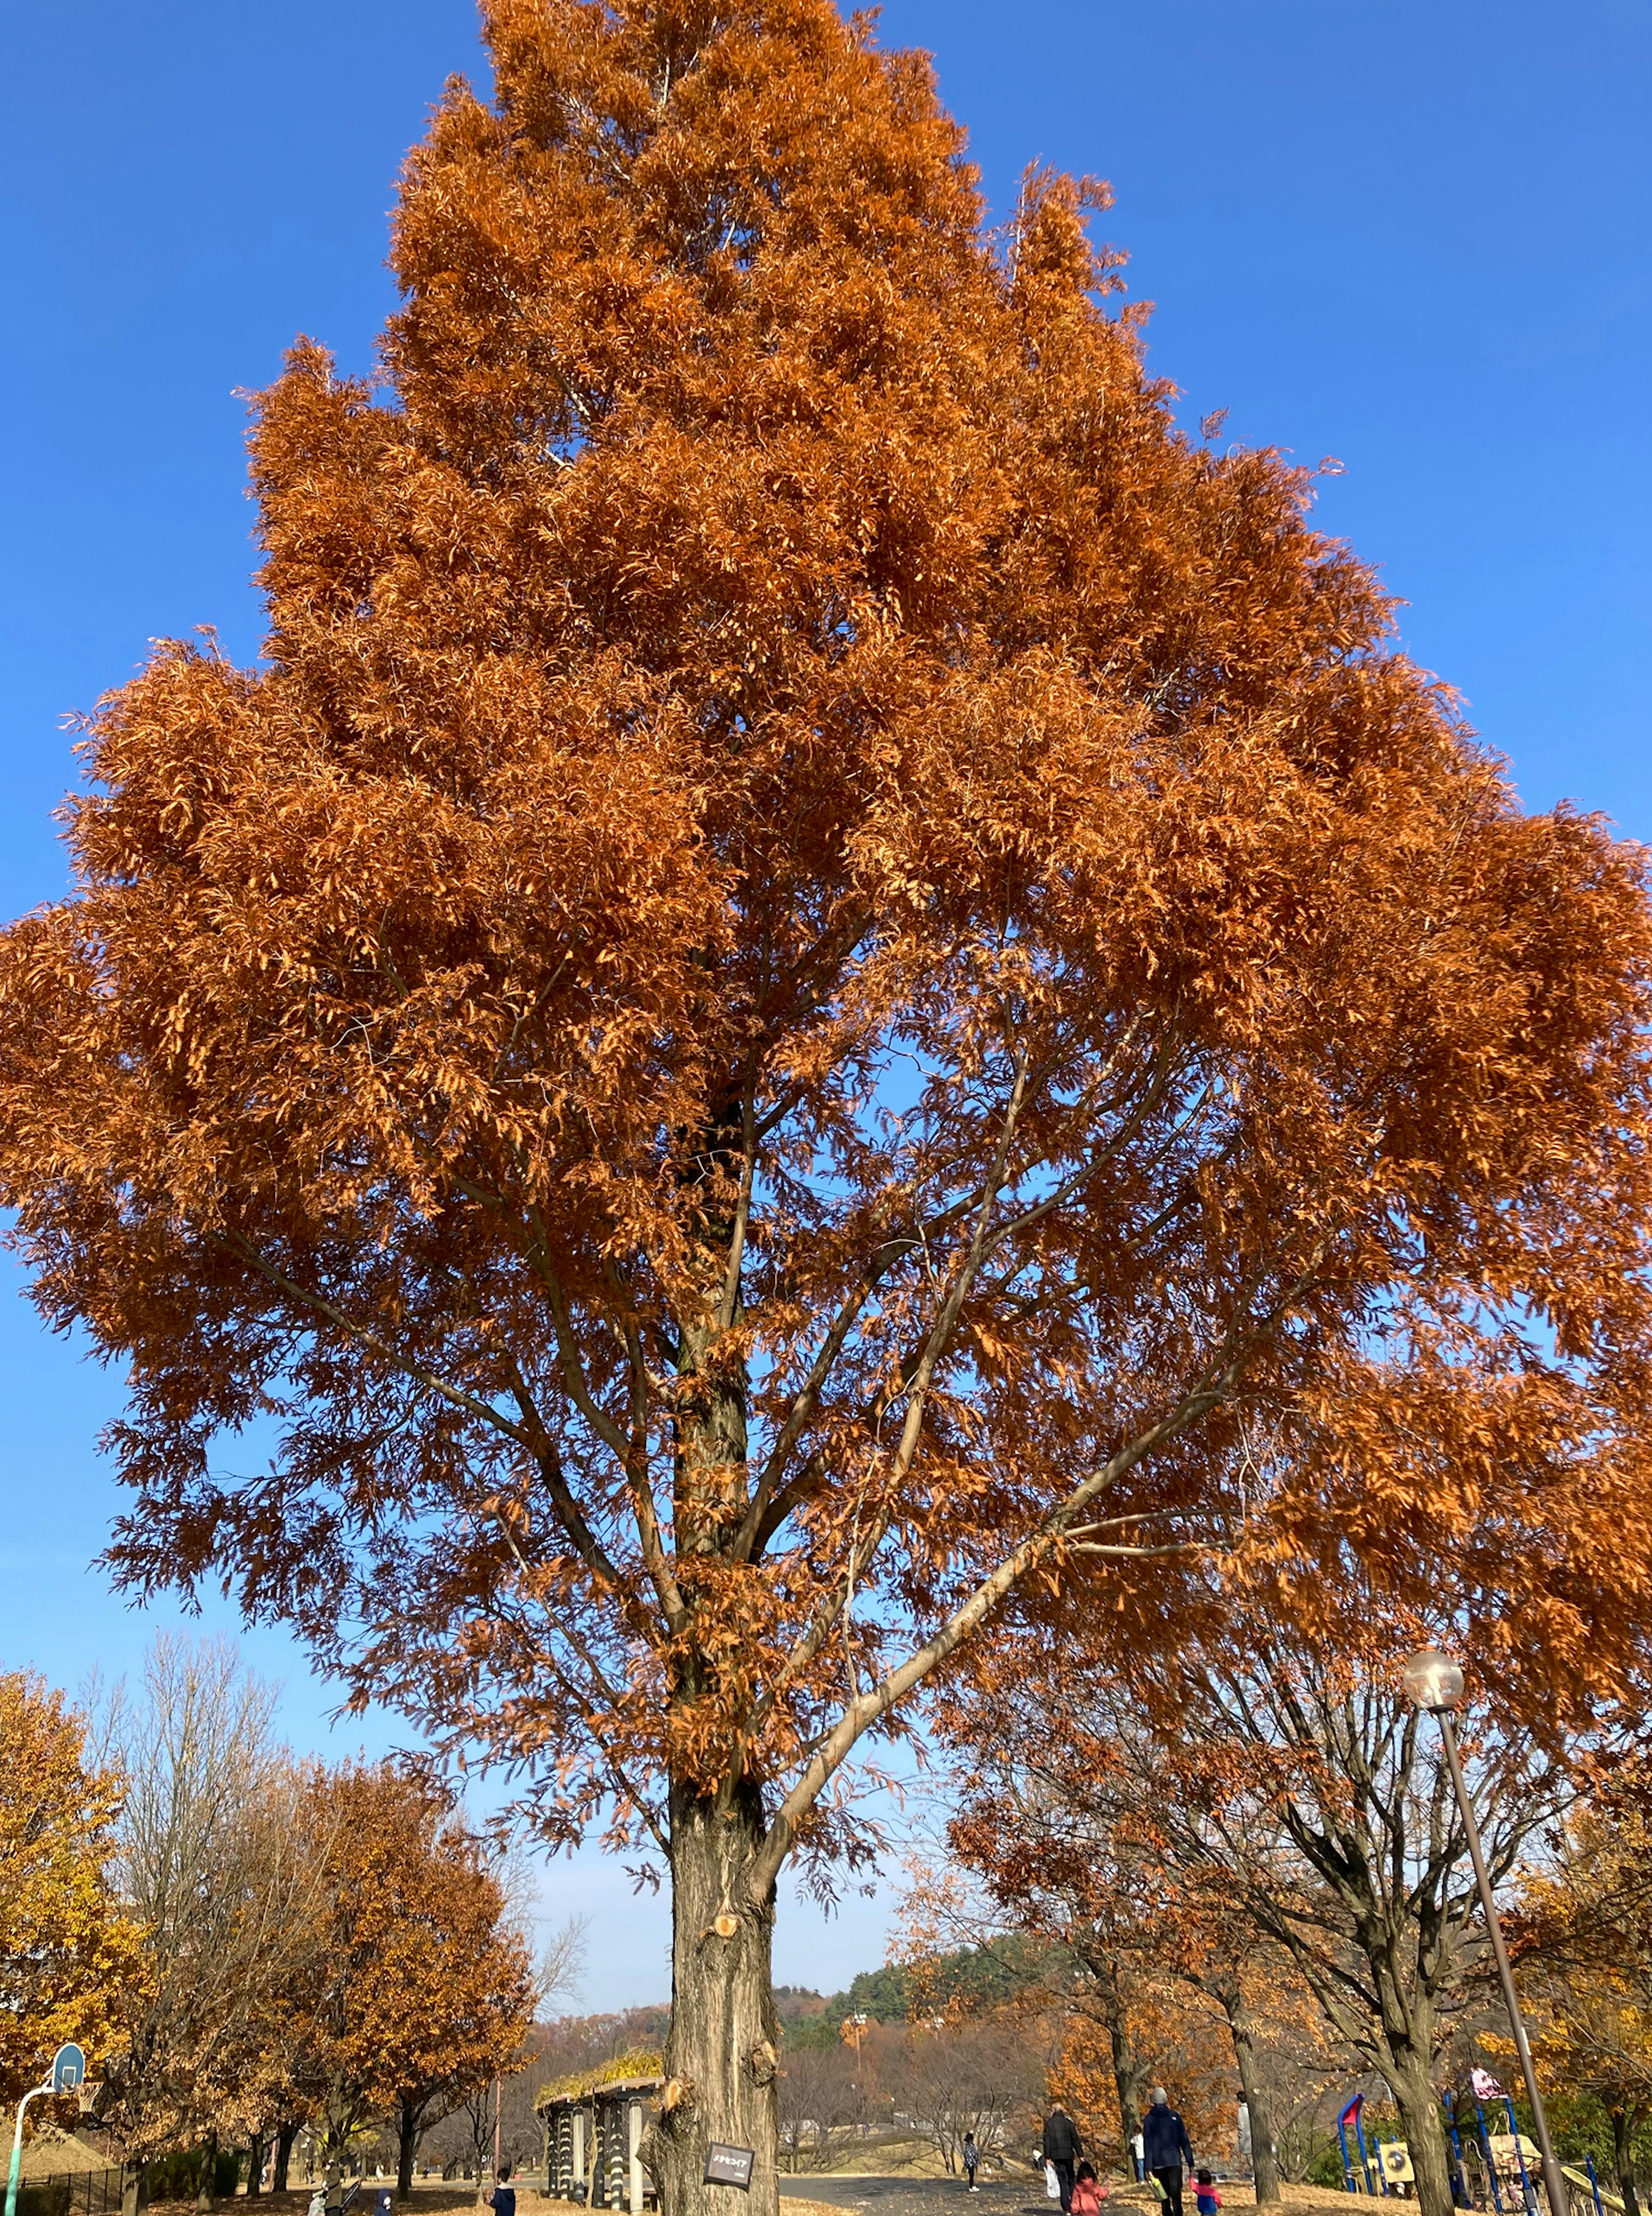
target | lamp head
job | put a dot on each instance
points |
(1433, 1680)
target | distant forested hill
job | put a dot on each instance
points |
(978, 1976)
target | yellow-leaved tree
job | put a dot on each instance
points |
(67, 1952)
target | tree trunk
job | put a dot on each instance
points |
(1622, 2127)
(256, 2167)
(1263, 2162)
(134, 2191)
(721, 2056)
(208, 2175)
(481, 2133)
(1126, 2063)
(407, 2147)
(1425, 2132)
(284, 2139)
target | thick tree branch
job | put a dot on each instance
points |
(870, 1708)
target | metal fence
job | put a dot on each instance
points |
(90, 2192)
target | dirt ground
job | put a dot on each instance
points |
(908, 2189)
(432, 2196)
(1013, 2192)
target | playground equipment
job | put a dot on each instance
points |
(1349, 2115)
(1500, 2174)
(1586, 2182)
(1394, 2163)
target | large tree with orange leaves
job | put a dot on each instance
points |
(820, 951)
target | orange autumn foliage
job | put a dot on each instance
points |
(820, 954)
(416, 1992)
(1185, 2047)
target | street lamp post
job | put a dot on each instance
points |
(1434, 1682)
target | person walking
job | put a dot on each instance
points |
(503, 2198)
(1061, 2149)
(1088, 2192)
(972, 2160)
(1165, 2148)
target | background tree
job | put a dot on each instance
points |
(818, 2098)
(1297, 2065)
(1069, 1882)
(252, 2084)
(427, 1990)
(1584, 1932)
(1184, 2047)
(1063, 1828)
(68, 1958)
(1350, 1857)
(209, 1866)
(562, 1967)
(1253, 1776)
(558, 1979)
(819, 950)
(977, 2075)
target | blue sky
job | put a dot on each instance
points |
(1411, 235)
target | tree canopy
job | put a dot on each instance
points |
(419, 1990)
(823, 960)
(66, 1948)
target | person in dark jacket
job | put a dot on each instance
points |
(1165, 2148)
(1061, 2149)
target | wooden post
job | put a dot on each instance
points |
(633, 2158)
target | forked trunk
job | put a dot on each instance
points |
(721, 2057)
(1425, 2134)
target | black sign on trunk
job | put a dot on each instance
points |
(729, 2165)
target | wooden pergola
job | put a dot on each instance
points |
(592, 2140)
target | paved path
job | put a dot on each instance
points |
(921, 2196)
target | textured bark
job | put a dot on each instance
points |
(1263, 2160)
(722, 2055)
(134, 2191)
(1425, 2132)
(284, 2139)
